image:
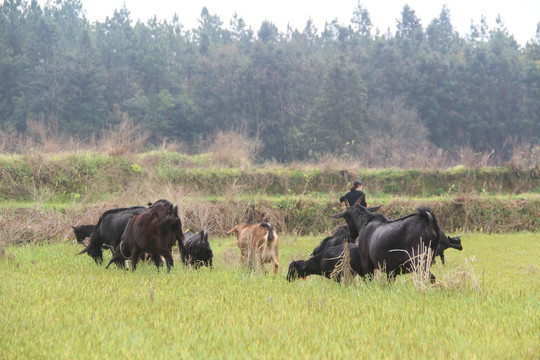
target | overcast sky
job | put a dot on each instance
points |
(520, 16)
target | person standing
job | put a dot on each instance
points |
(356, 195)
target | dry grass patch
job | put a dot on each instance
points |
(233, 149)
(463, 277)
(125, 137)
(343, 271)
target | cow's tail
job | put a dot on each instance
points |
(204, 236)
(234, 229)
(270, 234)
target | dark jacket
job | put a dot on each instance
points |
(353, 196)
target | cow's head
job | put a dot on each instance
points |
(455, 242)
(166, 215)
(296, 269)
(356, 217)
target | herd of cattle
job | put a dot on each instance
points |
(368, 241)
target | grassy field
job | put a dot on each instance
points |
(485, 305)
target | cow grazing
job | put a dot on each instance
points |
(198, 250)
(340, 235)
(392, 245)
(108, 231)
(154, 231)
(257, 241)
(82, 232)
(325, 262)
(448, 242)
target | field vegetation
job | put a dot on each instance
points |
(45, 190)
(58, 305)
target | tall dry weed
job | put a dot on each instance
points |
(421, 267)
(343, 271)
(232, 149)
(125, 137)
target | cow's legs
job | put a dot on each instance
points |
(157, 260)
(134, 258)
(169, 260)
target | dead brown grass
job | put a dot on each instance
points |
(125, 137)
(461, 278)
(232, 149)
(343, 269)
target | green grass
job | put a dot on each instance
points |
(57, 305)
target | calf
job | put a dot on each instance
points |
(448, 242)
(257, 241)
(325, 262)
(198, 250)
(154, 231)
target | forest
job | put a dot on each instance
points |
(346, 89)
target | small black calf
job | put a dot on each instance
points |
(448, 242)
(198, 252)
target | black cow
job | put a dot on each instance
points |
(108, 231)
(153, 231)
(448, 242)
(392, 245)
(82, 232)
(198, 250)
(325, 262)
(340, 235)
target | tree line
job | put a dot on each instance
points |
(342, 89)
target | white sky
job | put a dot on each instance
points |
(520, 16)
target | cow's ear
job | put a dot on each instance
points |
(340, 215)
(374, 208)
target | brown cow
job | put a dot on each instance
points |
(257, 239)
(153, 231)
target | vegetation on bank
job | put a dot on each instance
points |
(96, 175)
(44, 195)
(58, 305)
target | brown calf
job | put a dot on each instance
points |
(260, 239)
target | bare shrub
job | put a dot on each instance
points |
(233, 149)
(329, 161)
(173, 146)
(31, 226)
(523, 156)
(44, 136)
(475, 160)
(125, 137)
(395, 134)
